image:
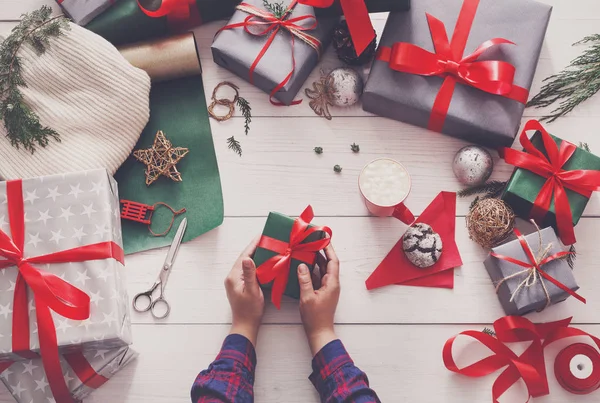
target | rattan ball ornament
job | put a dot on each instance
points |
(490, 221)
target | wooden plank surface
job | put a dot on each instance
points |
(396, 333)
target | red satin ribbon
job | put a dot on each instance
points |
(492, 76)
(49, 290)
(181, 14)
(271, 26)
(277, 268)
(529, 366)
(84, 371)
(567, 379)
(550, 167)
(357, 16)
(534, 264)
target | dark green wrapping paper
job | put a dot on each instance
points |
(524, 186)
(279, 226)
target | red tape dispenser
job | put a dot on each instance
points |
(577, 369)
(142, 213)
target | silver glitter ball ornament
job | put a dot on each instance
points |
(346, 86)
(472, 165)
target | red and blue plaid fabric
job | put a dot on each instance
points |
(230, 378)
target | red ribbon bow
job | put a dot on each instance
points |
(357, 16)
(277, 268)
(492, 76)
(181, 14)
(534, 264)
(529, 366)
(550, 167)
(272, 25)
(50, 291)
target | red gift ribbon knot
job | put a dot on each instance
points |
(492, 76)
(357, 16)
(551, 167)
(277, 268)
(272, 25)
(49, 290)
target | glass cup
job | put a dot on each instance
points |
(384, 185)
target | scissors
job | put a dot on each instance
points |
(143, 302)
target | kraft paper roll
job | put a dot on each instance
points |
(166, 59)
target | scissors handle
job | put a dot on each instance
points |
(142, 302)
(160, 308)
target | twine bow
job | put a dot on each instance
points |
(550, 166)
(270, 25)
(277, 268)
(533, 269)
(492, 76)
(50, 291)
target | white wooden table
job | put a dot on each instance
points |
(396, 333)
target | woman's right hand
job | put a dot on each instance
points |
(317, 307)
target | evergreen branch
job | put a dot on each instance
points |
(234, 145)
(575, 84)
(489, 331)
(22, 124)
(571, 257)
(584, 146)
(474, 202)
(246, 110)
(490, 189)
(278, 9)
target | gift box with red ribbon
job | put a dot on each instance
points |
(85, 371)
(531, 272)
(82, 12)
(553, 181)
(62, 263)
(284, 244)
(460, 67)
(276, 53)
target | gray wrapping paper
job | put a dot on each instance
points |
(236, 50)
(474, 115)
(533, 298)
(27, 381)
(83, 11)
(64, 212)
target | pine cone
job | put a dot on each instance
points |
(344, 47)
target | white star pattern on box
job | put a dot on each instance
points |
(109, 318)
(95, 297)
(82, 277)
(12, 286)
(6, 373)
(25, 219)
(32, 305)
(75, 190)
(86, 323)
(66, 213)
(34, 239)
(63, 324)
(31, 196)
(104, 273)
(44, 216)
(35, 328)
(108, 207)
(97, 187)
(5, 310)
(51, 400)
(101, 230)
(28, 367)
(18, 389)
(3, 222)
(88, 210)
(53, 194)
(42, 384)
(101, 353)
(56, 236)
(78, 233)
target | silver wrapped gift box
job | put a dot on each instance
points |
(63, 212)
(529, 299)
(236, 50)
(83, 11)
(27, 381)
(473, 115)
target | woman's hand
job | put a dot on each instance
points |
(317, 307)
(245, 296)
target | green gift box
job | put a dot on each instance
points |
(524, 186)
(279, 227)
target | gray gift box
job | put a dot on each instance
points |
(27, 381)
(529, 299)
(82, 12)
(63, 212)
(236, 50)
(474, 115)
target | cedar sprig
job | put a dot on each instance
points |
(488, 189)
(571, 257)
(278, 9)
(22, 124)
(584, 146)
(246, 110)
(489, 331)
(234, 145)
(575, 84)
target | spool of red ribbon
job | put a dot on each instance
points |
(577, 369)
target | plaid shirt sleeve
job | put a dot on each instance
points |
(337, 379)
(230, 377)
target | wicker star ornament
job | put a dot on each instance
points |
(161, 159)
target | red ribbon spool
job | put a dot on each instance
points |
(573, 376)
